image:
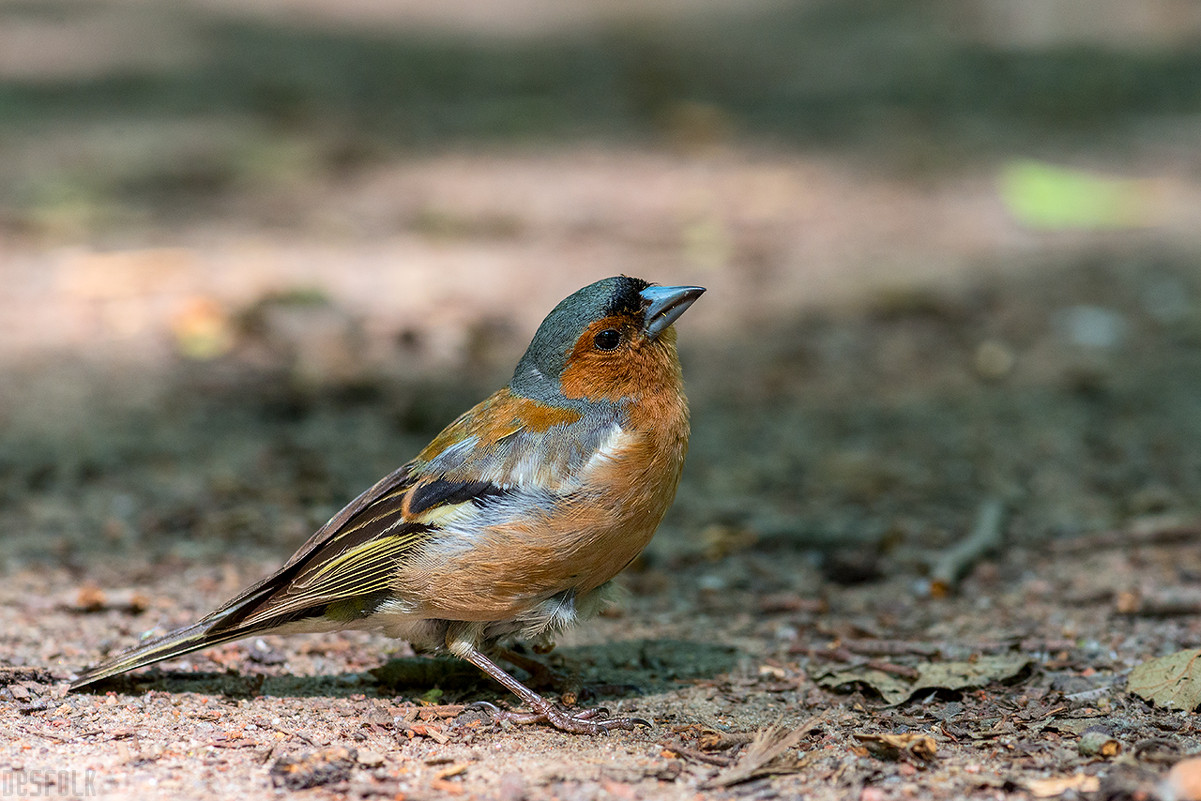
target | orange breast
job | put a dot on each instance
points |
(579, 544)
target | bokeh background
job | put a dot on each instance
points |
(253, 254)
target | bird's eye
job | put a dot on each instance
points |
(608, 339)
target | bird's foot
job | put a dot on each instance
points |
(589, 721)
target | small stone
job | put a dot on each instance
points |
(1098, 743)
(262, 653)
(370, 759)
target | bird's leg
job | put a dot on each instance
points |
(541, 674)
(544, 711)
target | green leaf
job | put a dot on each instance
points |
(1048, 197)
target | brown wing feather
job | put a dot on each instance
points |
(376, 516)
(356, 555)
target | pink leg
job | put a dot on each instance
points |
(544, 711)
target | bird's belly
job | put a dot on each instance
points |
(504, 570)
(509, 571)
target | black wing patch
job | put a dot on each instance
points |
(441, 492)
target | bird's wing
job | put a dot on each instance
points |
(338, 576)
(503, 450)
(348, 566)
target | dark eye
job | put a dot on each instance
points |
(608, 339)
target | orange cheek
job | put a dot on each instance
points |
(635, 370)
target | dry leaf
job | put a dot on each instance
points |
(1172, 681)
(932, 676)
(764, 755)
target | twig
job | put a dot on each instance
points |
(44, 734)
(433, 711)
(985, 538)
(295, 734)
(1174, 602)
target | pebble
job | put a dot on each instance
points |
(370, 759)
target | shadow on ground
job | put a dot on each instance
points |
(610, 670)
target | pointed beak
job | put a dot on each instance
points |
(664, 304)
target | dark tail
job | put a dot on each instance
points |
(204, 634)
(226, 624)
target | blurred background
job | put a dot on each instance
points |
(255, 253)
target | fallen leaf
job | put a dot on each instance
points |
(764, 755)
(892, 689)
(1172, 681)
(931, 676)
(1058, 785)
(977, 673)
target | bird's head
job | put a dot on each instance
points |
(610, 341)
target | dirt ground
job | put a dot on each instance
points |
(802, 580)
(941, 499)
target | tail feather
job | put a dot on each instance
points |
(226, 624)
(176, 643)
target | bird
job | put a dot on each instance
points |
(512, 522)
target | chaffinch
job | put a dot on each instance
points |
(512, 521)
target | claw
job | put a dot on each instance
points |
(487, 706)
(544, 711)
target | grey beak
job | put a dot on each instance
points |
(665, 304)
